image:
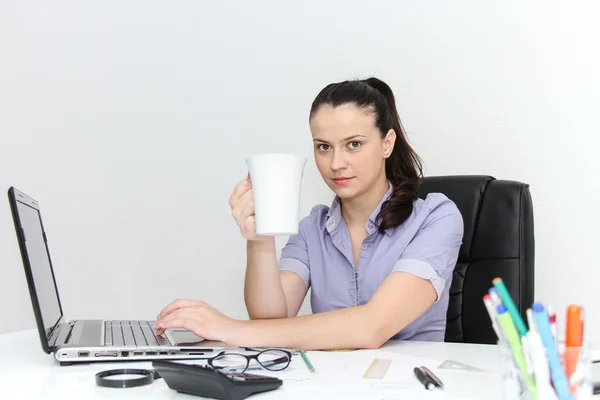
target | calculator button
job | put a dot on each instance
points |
(252, 376)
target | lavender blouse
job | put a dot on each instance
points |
(425, 245)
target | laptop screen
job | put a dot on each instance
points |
(39, 260)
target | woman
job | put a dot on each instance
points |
(379, 260)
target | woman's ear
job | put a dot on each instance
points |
(388, 143)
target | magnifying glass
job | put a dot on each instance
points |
(126, 377)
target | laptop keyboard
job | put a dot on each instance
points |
(132, 333)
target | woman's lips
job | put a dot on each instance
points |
(341, 181)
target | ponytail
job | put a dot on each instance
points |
(403, 168)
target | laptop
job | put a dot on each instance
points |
(88, 340)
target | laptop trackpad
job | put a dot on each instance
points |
(187, 338)
(184, 337)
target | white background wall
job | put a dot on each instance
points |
(129, 121)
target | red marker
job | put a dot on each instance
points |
(552, 319)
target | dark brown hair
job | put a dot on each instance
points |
(403, 168)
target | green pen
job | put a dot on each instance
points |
(510, 306)
(514, 341)
(306, 361)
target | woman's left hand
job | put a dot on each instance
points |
(200, 318)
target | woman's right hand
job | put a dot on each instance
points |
(241, 202)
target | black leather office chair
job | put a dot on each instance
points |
(498, 242)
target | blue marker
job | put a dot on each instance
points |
(559, 378)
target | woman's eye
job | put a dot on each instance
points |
(323, 147)
(354, 145)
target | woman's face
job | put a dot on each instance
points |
(349, 150)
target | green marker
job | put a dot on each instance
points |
(514, 341)
(510, 306)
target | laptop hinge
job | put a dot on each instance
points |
(52, 332)
(60, 334)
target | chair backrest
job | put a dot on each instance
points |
(498, 242)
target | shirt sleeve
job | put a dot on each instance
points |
(433, 252)
(294, 255)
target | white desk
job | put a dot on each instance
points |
(26, 372)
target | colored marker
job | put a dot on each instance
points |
(527, 353)
(495, 298)
(487, 301)
(559, 378)
(552, 319)
(514, 340)
(510, 306)
(539, 360)
(573, 340)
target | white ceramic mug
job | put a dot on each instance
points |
(276, 181)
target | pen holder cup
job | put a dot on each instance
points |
(520, 384)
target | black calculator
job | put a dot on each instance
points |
(208, 382)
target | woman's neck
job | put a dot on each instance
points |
(356, 211)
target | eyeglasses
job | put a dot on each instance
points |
(271, 359)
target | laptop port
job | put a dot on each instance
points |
(163, 353)
(112, 354)
(138, 353)
(151, 353)
(83, 354)
(124, 354)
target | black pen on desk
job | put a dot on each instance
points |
(426, 377)
(436, 381)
